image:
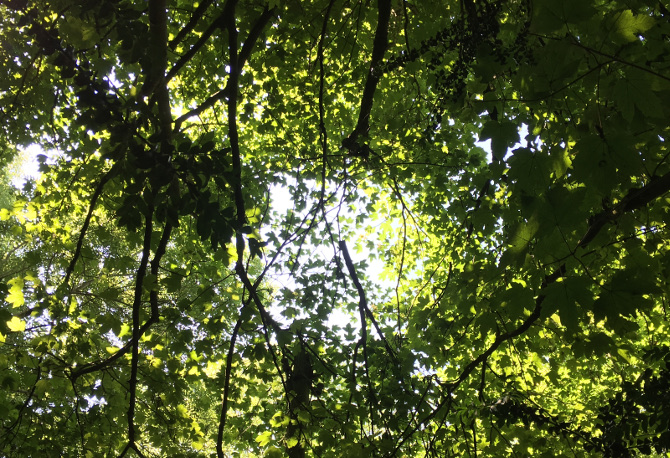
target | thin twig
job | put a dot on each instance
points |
(363, 303)
(188, 28)
(226, 385)
(87, 222)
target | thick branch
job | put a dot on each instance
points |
(236, 63)
(238, 196)
(634, 199)
(208, 103)
(188, 55)
(374, 73)
(156, 79)
(137, 304)
(155, 265)
(254, 35)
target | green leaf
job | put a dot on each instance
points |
(634, 90)
(529, 170)
(453, 252)
(628, 25)
(15, 296)
(264, 438)
(593, 165)
(172, 282)
(150, 282)
(9, 382)
(523, 235)
(550, 16)
(515, 300)
(502, 134)
(292, 442)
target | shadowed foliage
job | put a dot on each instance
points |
(389, 228)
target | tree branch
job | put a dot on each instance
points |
(235, 68)
(137, 304)
(362, 307)
(634, 199)
(363, 303)
(188, 28)
(226, 385)
(157, 79)
(155, 313)
(87, 222)
(188, 55)
(242, 58)
(374, 73)
(155, 266)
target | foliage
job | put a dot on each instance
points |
(271, 228)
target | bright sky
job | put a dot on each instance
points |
(25, 165)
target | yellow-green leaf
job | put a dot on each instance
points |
(16, 324)
(264, 439)
(291, 442)
(15, 296)
(125, 329)
(629, 25)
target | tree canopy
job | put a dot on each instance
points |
(389, 228)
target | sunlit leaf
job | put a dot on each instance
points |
(15, 296)
(16, 324)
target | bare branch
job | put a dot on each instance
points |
(634, 199)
